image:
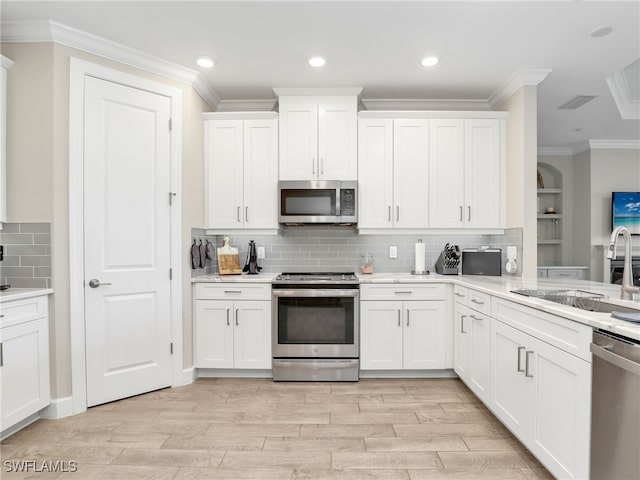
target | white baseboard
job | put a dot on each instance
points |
(447, 373)
(188, 376)
(58, 408)
(231, 373)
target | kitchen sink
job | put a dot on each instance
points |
(589, 301)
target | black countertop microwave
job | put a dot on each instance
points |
(317, 201)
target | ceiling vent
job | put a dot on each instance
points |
(577, 102)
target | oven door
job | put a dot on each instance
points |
(316, 323)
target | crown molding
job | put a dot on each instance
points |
(555, 151)
(424, 104)
(5, 62)
(521, 78)
(50, 31)
(629, 110)
(614, 144)
(355, 91)
(247, 105)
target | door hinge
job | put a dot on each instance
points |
(171, 348)
(171, 274)
(170, 125)
(171, 195)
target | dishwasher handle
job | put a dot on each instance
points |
(628, 365)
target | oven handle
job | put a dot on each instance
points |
(319, 365)
(315, 292)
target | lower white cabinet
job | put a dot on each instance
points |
(403, 334)
(24, 359)
(543, 394)
(232, 333)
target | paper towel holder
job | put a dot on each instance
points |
(419, 272)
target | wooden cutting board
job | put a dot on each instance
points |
(229, 264)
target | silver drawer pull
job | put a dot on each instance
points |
(526, 363)
(233, 291)
(236, 317)
(459, 294)
(407, 317)
(228, 317)
(399, 321)
(1, 356)
(403, 292)
(519, 356)
(477, 302)
(479, 319)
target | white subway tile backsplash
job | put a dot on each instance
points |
(27, 255)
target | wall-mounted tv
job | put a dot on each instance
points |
(626, 211)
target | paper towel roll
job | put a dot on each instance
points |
(420, 258)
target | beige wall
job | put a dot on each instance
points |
(521, 153)
(37, 172)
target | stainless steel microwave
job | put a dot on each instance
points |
(317, 201)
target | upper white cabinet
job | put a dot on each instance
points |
(318, 137)
(241, 170)
(5, 64)
(393, 168)
(466, 172)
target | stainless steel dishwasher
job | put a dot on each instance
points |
(615, 407)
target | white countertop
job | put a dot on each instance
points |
(240, 278)
(22, 293)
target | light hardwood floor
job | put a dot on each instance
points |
(414, 429)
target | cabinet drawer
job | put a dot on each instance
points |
(572, 337)
(461, 294)
(481, 302)
(564, 273)
(403, 291)
(18, 311)
(233, 291)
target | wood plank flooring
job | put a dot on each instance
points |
(411, 429)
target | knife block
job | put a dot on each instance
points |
(442, 270)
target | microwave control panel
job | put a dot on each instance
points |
(347, 202)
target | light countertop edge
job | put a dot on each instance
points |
(22, 293)
(240, 278)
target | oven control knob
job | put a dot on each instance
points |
(343, 277)
(315, 350)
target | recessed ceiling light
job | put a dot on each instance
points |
(601, 31)
(317, 62)
(429, 61)
(205, 62)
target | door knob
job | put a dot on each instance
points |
(95, 283)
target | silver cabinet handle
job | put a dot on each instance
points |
(476, 318)
(233, 291)
(526, 363)
(407, 317)
(236, 317)
(476, 301)
(462, 324)
(458, 294)
(246, 214)
(469, 214)
(95, 283)
(1, 356)
(460, 212)
(399, 321)
(228, 309)
(397, 213)
(321, 166)
(389, 214)
(404, 292)
(238, 213)
(519, 363)
(313, 166)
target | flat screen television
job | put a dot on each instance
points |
(625, 210)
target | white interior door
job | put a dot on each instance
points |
(126, 241)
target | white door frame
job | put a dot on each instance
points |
(78, 70)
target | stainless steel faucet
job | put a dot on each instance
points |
(628, 289)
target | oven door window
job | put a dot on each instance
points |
(321, 320)
(320, 202)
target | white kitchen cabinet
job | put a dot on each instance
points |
(403, 334)
(241, 170)
(543, 394)
(5, 65)
(472, 342)
(24, 359)
(318, 137)
(231, 332)
(466, 173)
(393, 168)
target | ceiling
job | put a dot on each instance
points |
(378, 46)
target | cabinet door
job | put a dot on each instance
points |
(424, 335)
(479, 373)
(483, 173)
(24, 374)
(461, 338)
(224, 173)
(381, 335)
(214, 334)
(252, 335)
(410, 173)
(446, 173)
(559, 410)
(337, 142)
(509, 384)
(260, 174)
(298, 132)
(375, 173)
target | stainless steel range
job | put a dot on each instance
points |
(316, 327)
